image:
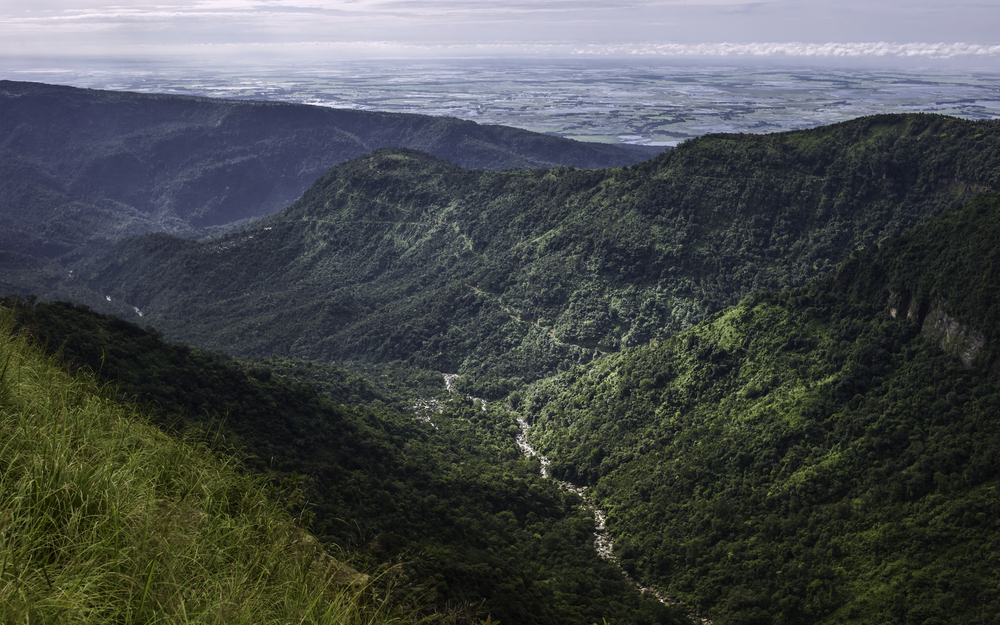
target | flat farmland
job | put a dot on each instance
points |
(646, 103)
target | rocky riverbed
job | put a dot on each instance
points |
(603, 543)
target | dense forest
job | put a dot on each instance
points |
(824, 454)
(509, 276)
(439, 490)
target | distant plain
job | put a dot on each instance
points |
(642, 102)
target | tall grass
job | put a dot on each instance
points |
(104, 518)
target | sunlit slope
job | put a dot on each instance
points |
(824, 454)
(106, 519)
(512, 275)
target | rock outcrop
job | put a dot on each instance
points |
(954, 337)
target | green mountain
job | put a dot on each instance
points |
(435, 498)
(80, 168)
(827, 454)
(509, 276)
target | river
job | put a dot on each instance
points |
(603, 543)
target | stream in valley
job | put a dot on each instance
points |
(603, 543)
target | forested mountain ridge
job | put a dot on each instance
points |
(508, 276)
(826, 454)
(80, 167)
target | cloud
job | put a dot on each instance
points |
(796, 49)
(73, 9)
(789, 50)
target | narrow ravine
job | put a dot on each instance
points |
(603, 544)
(449, 378)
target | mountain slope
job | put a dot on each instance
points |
(825, 454)
(80, 167)
(508, 276)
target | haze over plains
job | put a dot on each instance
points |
(897, 31)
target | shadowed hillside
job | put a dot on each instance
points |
(433, 485)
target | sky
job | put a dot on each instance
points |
(916, 31)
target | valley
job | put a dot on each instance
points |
(603, 542)
(754, 377)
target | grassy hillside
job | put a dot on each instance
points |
(827, 454)
(105, 519)
(510, 276)
(441, 491)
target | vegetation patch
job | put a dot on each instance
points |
(107, 519)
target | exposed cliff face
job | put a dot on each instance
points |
(956, 338)
(899, 302)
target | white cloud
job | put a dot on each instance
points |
(499, 49)
(796, 49)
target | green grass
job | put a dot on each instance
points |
(104, 518)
